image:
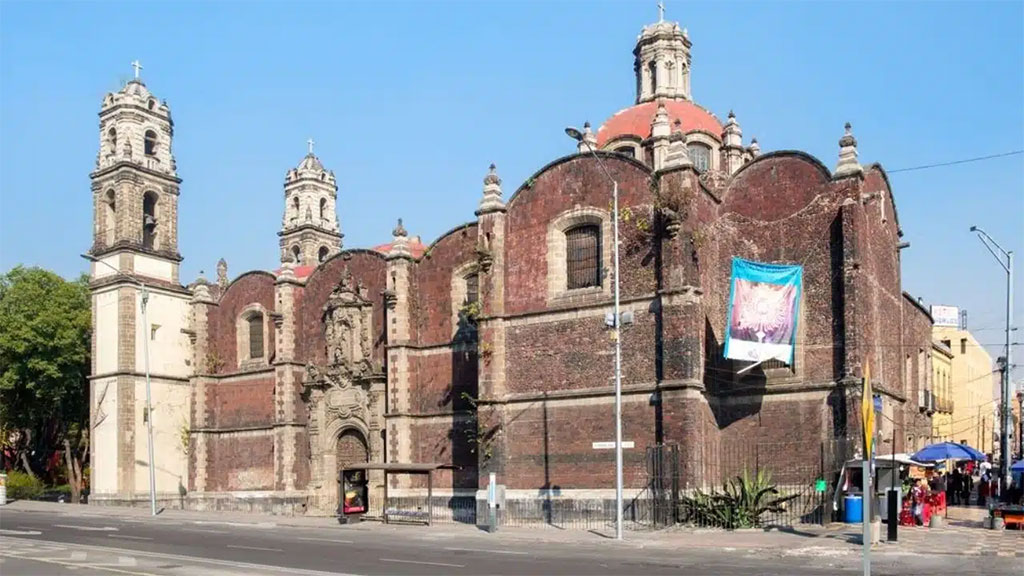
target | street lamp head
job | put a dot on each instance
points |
(89, 257)
(974, 228)
(574, 134)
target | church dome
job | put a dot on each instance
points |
(636, 121)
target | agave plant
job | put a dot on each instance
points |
(741, 504)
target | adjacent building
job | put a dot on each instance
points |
(488, 350)
(973, 378)
(942, 385)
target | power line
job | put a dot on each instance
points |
(954, 162)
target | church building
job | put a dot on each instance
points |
(489, 350)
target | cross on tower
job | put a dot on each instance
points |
(310, 142)
(661, 11)
(137, 66)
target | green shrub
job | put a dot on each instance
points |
(741, 503)
(21, 486)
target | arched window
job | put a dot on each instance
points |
(295, 204)
(700, 155)
(472, 288)
(151, 103)
(296, 255)
(583, 256)
(112, 139)
(626, 151)
(322, 255)
(150, 143)
(110, 216)
(149, 202)
(323, 208)
(255, 323)
(653, 70)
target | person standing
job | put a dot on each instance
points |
(954, 487)
(967, 486)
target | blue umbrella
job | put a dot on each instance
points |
(1018, 466)
(947, 451)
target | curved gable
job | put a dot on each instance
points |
(775, 185)
(606, 156)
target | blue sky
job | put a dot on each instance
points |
(410, 101)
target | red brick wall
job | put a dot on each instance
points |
(433, 278)
(241, 403)
(249, 288)
(551, 447)
(440, 379)
(445, 441)
(575, 354)
(241, 462)
(917, 339)
(559, 187)
(366, 266)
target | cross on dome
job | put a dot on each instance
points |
(310, 143)
(137, 66)
(661, 11)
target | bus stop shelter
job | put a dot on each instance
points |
(424, 469)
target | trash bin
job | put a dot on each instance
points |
(3, 489)
(853, 509)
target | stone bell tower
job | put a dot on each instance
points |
(139, 308)
(309, 228)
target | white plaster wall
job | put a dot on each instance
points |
(104, 436)
(105, 305)
(153, 267)
(111, 262)
(170, 415)
(169, 349)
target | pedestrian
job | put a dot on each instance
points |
(917, 502)
(983, 488)
(954, 487)
(967, 487)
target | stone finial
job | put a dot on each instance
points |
(400, 242)
(491, 200)
(848, 165)
(732, 135)
(589, 140)
(222, 272)
(678, 154)
(660, 124)
(201, 293)
(755, 148)
(399, 230)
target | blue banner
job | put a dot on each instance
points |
(764, 300)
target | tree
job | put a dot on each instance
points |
(45, 324)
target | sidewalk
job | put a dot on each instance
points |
(962, 535)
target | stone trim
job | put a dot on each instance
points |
(137, 167)
(558, 292)
(239, 375)
(152, 376)
(242, 337)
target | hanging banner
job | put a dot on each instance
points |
(763, 303)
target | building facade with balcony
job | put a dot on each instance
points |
(942, 392)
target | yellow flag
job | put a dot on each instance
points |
(867, 408)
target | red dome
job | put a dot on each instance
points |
(636, 120)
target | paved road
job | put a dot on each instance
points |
(49, 542)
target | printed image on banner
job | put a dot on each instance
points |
(763, 303)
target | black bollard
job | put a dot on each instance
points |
(894, 515)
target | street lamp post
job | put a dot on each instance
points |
(578, 136)
(1004, 423)
(149, 404)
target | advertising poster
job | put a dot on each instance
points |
(763, 306)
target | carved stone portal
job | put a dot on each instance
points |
(345, 396)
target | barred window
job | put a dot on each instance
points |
(583, 256)
(256, 335)
(472, 288)
(700, 155)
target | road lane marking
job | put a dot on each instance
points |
(327, 540)
(87, 528)
(488, 551)
(206, 531)
(423, 563)
(250, 567)
(28, 527)
(255, 548)
(74, 566)
(239, 524)
(20, 532)
(128, 537)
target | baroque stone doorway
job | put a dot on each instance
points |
(351, 449)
